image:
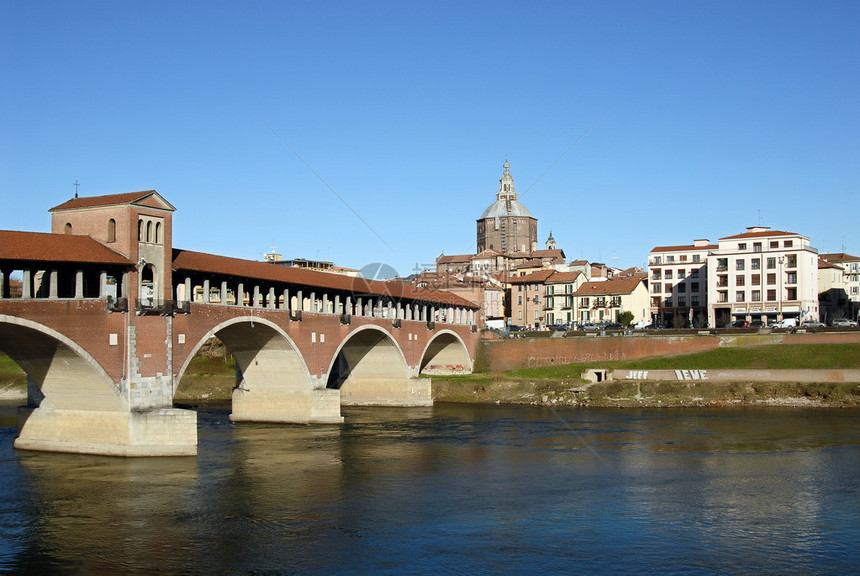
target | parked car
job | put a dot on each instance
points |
(738, 324)
(813, 325)
(612, 326)
(843, 323)
(588, 326)
(559, 327)
(515, 328)
(785, 323)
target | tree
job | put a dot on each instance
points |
(625, 318)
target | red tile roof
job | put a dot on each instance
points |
(42, 247)
(839, 257)
(564, 277)
(108, 200)
(236, 267)
(685, 248)
(762, 234)
(623, 285)
(538, 277)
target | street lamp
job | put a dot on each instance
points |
(779, 285)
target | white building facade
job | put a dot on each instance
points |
(678, 284)
(762, 274)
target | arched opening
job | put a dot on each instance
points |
(148, 288)
(445, 354)
(57, 369)
(149, 231)
(158, 236)
(111, 230)
(67, 229)
(140, 230)
(271, 381)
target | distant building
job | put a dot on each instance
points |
(764, 275)
(838, 286)
(507, 225)
(678, 282)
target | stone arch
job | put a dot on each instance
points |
(369, 367)
(273, 383)
(61, 374)
(260, 348)
(445, 353)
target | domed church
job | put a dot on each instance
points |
(507, 226)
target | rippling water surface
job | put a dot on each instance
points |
(453, 490)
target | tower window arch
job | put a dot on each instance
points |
(149, 231)
(158, 234)
(67, 229)
(111, 230)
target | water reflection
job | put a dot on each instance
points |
(453, 489)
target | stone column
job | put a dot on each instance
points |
(26, 284)
(206, 290)
(324, 303)
(240, 294)
(224, 292)
(286, 300)
(188, 295)
(273, 303)
(79, 284)
(102, 284)
(256, 302)
(300, 301)
(359, 307)
(337, 309)
(4, 284)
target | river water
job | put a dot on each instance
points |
(453, 489)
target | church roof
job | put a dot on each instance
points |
(149, 198)
(501, 208)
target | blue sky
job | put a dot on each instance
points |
(366, 132)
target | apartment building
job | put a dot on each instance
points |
(559, 300)
(678, 283)
(527, 299)
(602, 301)
(764, 275)
(839, 286)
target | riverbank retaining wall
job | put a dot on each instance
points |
(516, 353)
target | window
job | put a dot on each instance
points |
(656, 289)
(668, 274)
(788, 244)
(149, 231)
(791, 278)
(656, 274)
(682, 274)
(740, 280)
(682, 287)
(771, 295)
(111, 230)
(694, 300)
(740, 296)
(158, 239)
(682, 301)
(791, 261)
(756, 280)
(697, 258)
(520, 317)
(722, 281)
(668, 302)
(755, 264)
(520, 300)
(722, 296)
(655, 302)
(742, 246)
(658, 259)
(694, 273)
(537, 317)
(670, 258)
(756, 296)
(771, 279)
(683, 258)
(791, 294)
(67, 229)
(722, 264)
(694, 287)
(756, 246)
(584, 301)
(739, 264)
(771, 263)
(774, 244)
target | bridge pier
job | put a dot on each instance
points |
(157, 432)
(386, 392)
(315, 406)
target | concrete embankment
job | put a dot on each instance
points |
(630, 393)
